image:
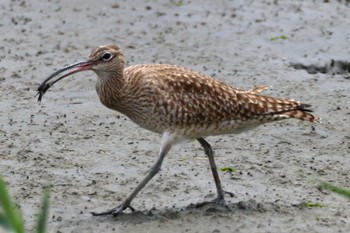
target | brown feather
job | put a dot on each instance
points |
(162, 97)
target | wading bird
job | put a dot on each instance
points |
(178, 103)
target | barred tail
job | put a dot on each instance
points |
(298, 111)
(269, 108)
(302, 114)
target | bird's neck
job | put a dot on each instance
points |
(109, 88)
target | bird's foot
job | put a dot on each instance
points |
(216, 204)
(115, 211)
(228, 193)
(219, 201)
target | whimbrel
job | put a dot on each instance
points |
(178, 103)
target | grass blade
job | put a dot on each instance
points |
(42, 217)
(11, 218)
(4, 223)
(342, 191)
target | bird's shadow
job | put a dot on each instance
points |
(199, 209)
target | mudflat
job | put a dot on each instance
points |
(93, 157)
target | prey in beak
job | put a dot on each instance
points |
(73, 68)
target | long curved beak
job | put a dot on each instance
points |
(74, 68)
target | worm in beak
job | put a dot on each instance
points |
(73, 68)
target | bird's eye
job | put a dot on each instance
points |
(107, 56)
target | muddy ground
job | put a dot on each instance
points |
(93, 157)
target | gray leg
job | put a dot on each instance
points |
(126, 203)
(209, 152)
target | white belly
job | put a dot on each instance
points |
(203, 130)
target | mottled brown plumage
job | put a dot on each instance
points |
(180, 104)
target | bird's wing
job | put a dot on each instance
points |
(187, 97)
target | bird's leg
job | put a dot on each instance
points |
(209, 152)
(126, 203)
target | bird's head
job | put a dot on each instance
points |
(102, 60)
(106, 59)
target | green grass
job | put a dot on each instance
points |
(44, 212)
(183, 159)
(228, 169)
(283, 37)
(341, 191)
(11, 218)
(311, 204)
(178, 3)
(325, 185)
